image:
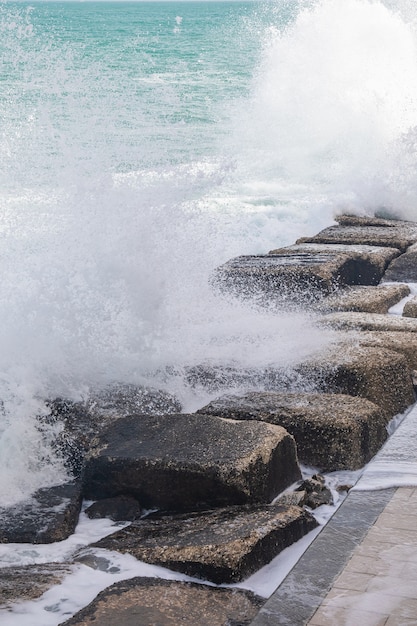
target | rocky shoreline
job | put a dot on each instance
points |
(210, 477)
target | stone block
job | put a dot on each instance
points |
(377, 374)
(398, 341)
(332, 431)
(365, 298)
(185, 462)
(303, 272)
(150, 601)
(400, 235)
(223, 546)
(410, 308)
(51, 514)
(22, 583)
(403, 268)
(369, 321)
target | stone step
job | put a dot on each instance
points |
(400, 235)
(367, 299)
(370, 321)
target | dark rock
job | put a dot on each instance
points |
(400, 236)
(404, 268)
(19, 584)
(82, 420)
(316, 492)
(370, 321)
(302, 273)
(410, 308)
(223, 546)
(331, 431)
(184, 462)
(149, 601)
(50, 515)
(121, 508)
(364, 298)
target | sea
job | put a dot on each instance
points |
(143, 144)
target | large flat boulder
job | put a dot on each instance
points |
(400, 235)
(149, 601)
(303, 272)
(368, 220)
(378, 299)
(19, 584)
(377, 374)
(332, 431)
(184, 462)
(404, 268)
(370, 321)
(223, 546)
(50, 515)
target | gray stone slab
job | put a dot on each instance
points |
(369, 321)
(410, 307)
(19, 584)
(302, 591)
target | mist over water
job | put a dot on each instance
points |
(144, 144)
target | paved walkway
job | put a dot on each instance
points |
(361, 570)
(378, 586)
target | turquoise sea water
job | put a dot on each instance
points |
(144, 143)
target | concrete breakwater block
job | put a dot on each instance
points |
(51, 514)
(149, 601)
(366, 299)
(332, 431)
(400, 235)
(304, 272)
(368, 220)
(18, 584)
(377, 374)
(184, 462)
(370, 321)
(404, 268)
(223, 546)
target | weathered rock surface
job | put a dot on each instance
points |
(370, 321)
(223, 546)
(400, 235)
(410, 308)
(317, 493)
(184, 462)
(403, 342)
(19, 584)
(50, 515)
(404, 268)
(82, 420)
(303, 272)
(376, 374)
(120, 508)
(332, 431)
(367, 299)
(153, 602)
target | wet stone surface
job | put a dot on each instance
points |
(223, 545)
(332, 431)
(146, 601)
(170, 461)
(400, 235)
(51, 514)
(18, 584)
(377, 299)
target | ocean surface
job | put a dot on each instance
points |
(142, 144)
